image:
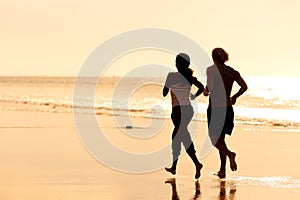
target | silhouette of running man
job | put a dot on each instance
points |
(180, 83)
(220, 79)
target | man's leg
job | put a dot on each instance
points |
(222, 147)
(223, 158)
(222, 172)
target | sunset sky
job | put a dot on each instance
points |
(54, 37)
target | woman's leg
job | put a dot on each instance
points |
(187, 141)
(176, 143)
(222, 172)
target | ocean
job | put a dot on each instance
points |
(269, 101)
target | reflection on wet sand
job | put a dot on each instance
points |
(222, 195)
(197, 196)
(175, 196)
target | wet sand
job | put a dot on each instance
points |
(42, 157)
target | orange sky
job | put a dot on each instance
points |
(55, 37)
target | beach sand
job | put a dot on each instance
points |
(42, 157)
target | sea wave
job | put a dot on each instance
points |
(147, 108)
(273, 181)
(271, 101)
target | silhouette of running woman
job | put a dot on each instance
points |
(180, 83)
(220, 79)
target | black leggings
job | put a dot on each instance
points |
(181, 117)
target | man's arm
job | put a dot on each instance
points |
(210, 78)
(243, 88)
(209, 82)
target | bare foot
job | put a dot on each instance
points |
(198, 169)
(221, 174)
(171, 170)
(233, 165)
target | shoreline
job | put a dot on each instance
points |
(53, 108)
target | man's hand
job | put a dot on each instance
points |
(206, 92)
(233, 100)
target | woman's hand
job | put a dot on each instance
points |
(193, 96)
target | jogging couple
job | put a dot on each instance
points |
(220, 115)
